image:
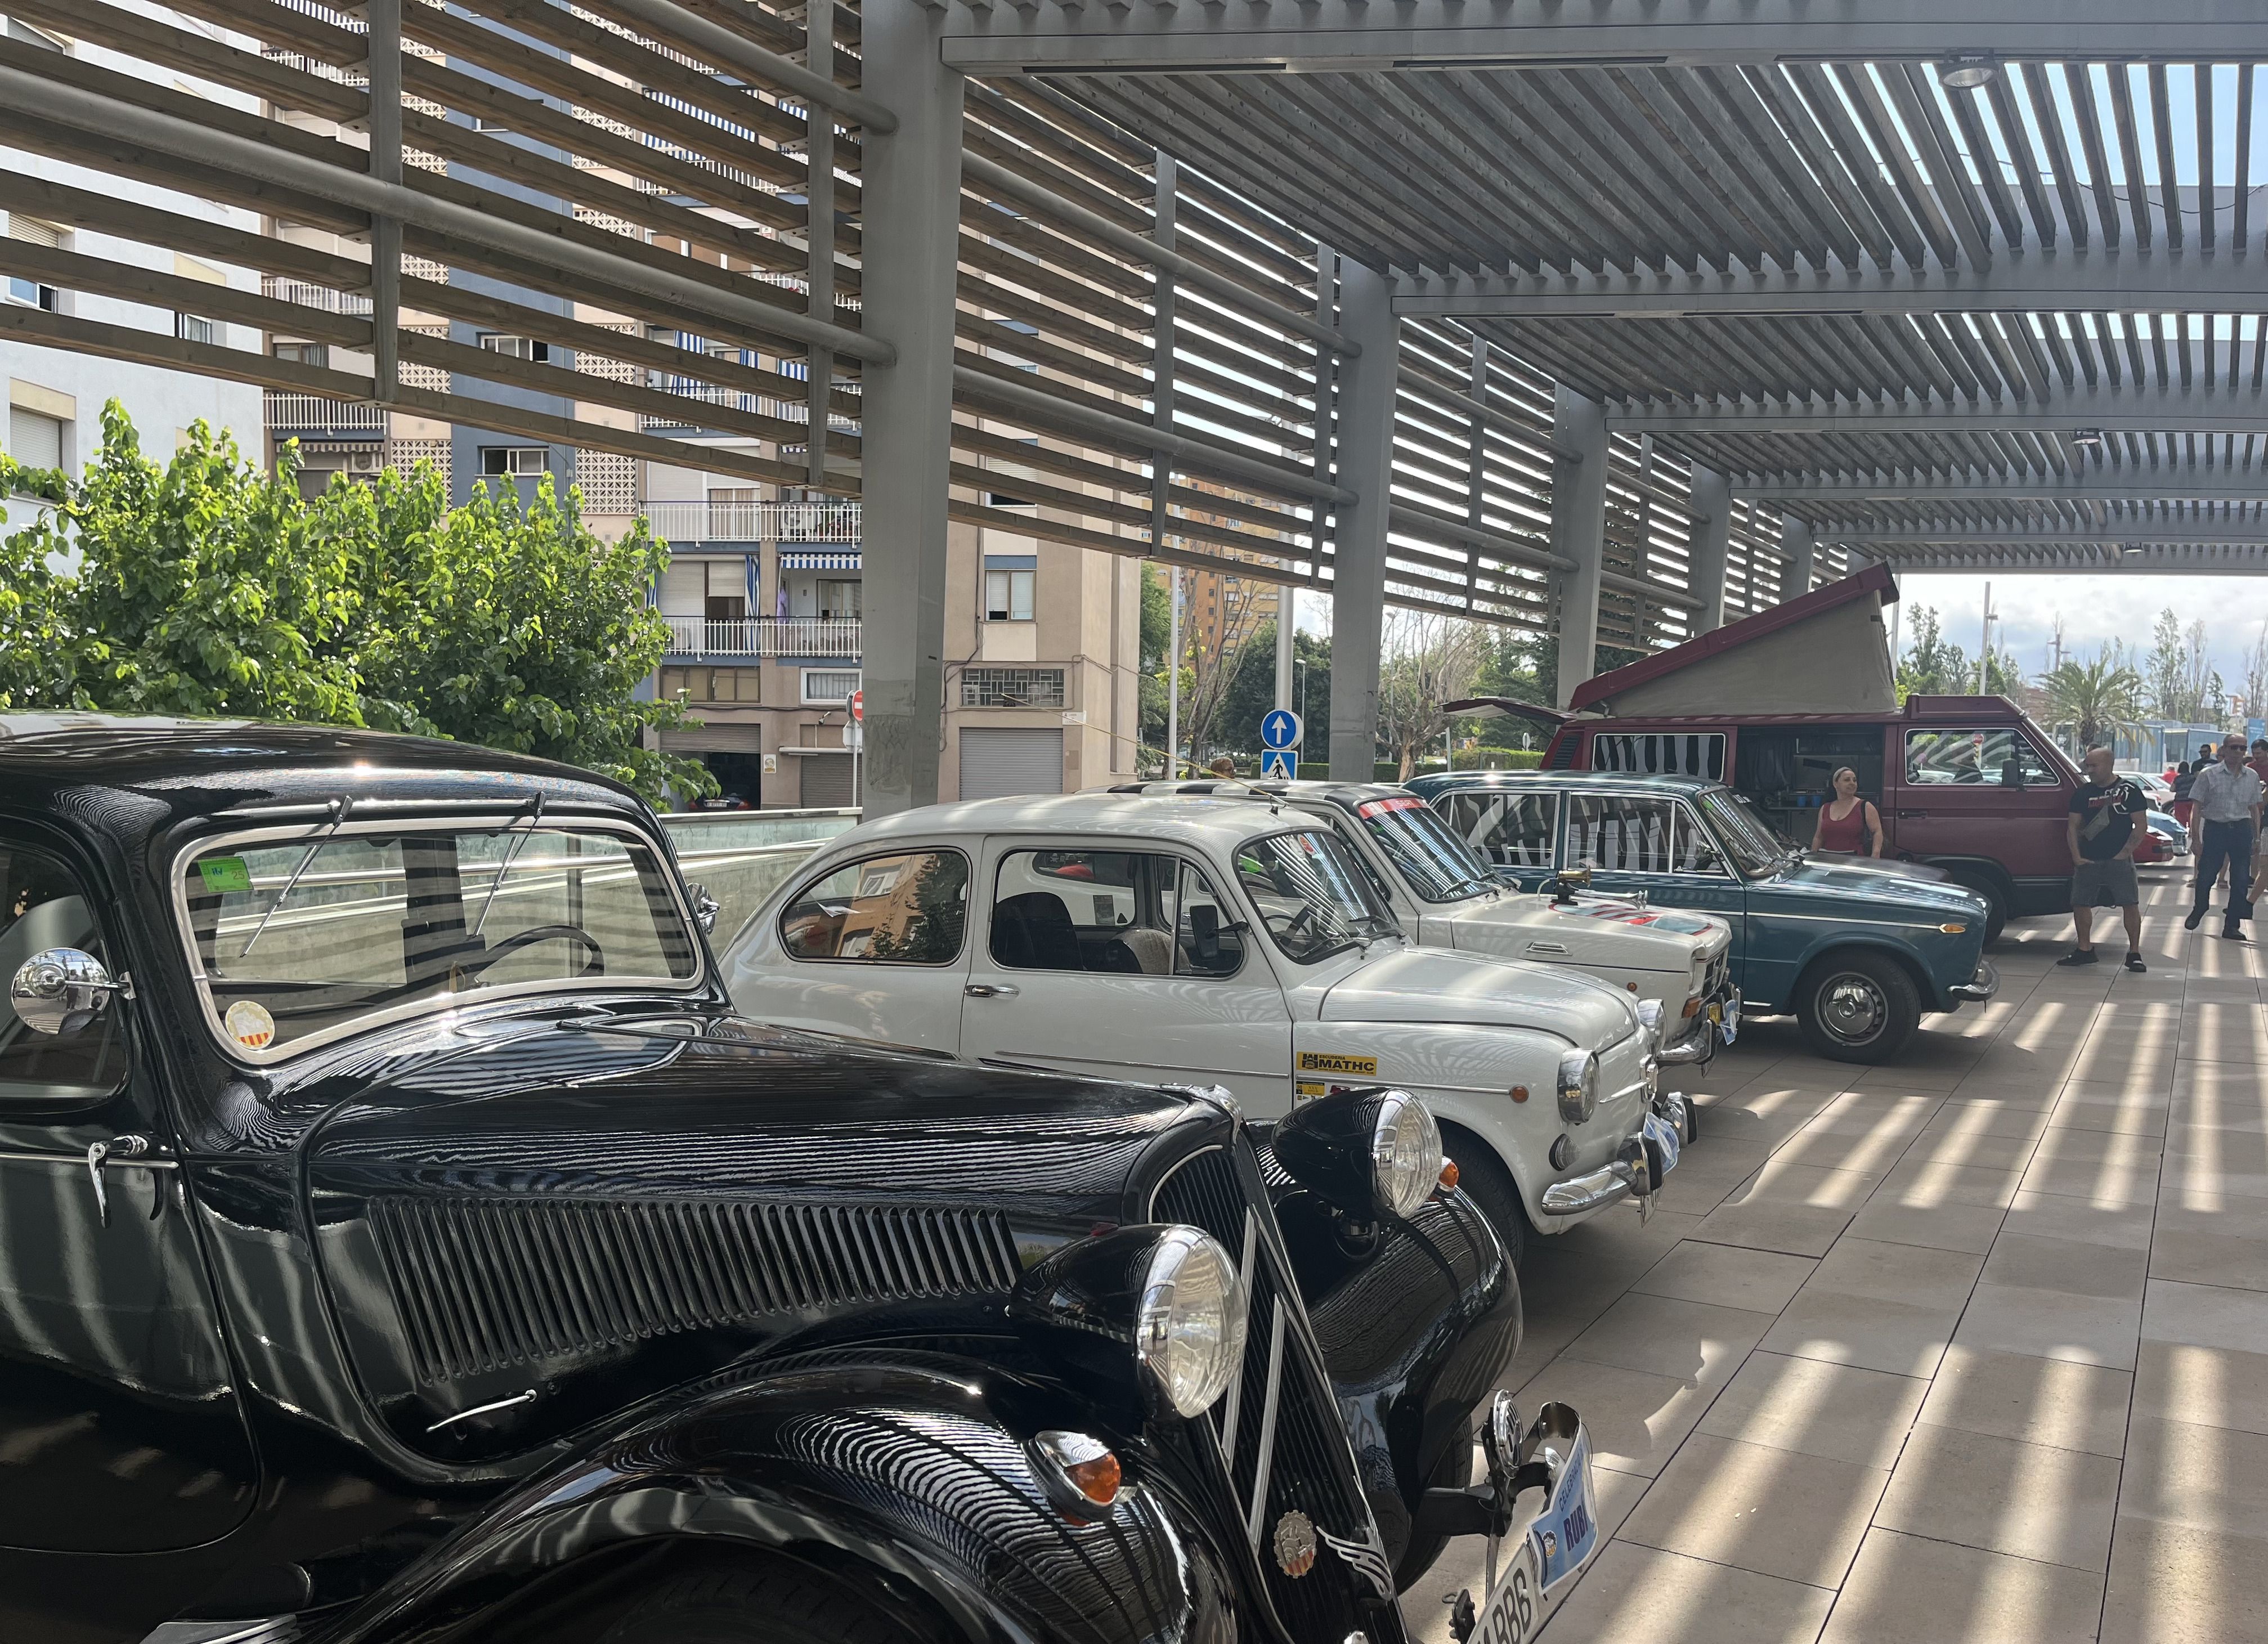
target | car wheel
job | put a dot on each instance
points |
(1857, 1006)
(758, 1601)
(1488, 1185)
(1996, 904)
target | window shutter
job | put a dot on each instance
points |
(33, 440)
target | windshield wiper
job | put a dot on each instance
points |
(510, 851)
(339, 809)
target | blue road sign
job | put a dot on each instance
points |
(1280, 764)
(1280, 727)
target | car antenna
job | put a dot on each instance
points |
(339, 806)
(535, 816)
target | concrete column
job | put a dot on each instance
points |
(1366, 465)
(1711, 532)
(819, 232)
(1288, 623)
(1579, 531)
(385, 23)
(1796, 543)
(911, 218)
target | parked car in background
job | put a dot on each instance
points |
(1858, 957)
(1199, 939)
(1444, 895)
(2173, 839)
(405, 1241)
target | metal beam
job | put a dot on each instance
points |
(723, 46)
(1366, 455)
(1352, 34)
(2107, 485)
(2171, 409)
(224, 150)
(2157, 561)
(2095, 279)
(384, 18)
(1887, 541)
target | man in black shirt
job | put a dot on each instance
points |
(2103, 829)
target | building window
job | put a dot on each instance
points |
(1008, 581)
(1011, 688)
(190, 328)
(32, 232)
(517, 347)
(302, 353)
(518, 461)
(829, 685)
(839, 599)
(712, 684)
(34, 440)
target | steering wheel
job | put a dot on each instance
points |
(518, 939)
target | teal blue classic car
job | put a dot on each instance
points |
(1856, 954)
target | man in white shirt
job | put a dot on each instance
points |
(2228, 800)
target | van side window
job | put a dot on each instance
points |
(2000, 756)
(1619, 834)
(1510, 828)
(1661, 753)
(908, 909)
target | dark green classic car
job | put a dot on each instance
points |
(1857, 954)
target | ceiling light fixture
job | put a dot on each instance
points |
(1967, 70)
(2087, 438)
(2131, 549)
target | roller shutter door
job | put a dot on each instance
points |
(996, 762)
(825, 781)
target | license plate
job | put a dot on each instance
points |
(1515, 1610)
(1728, 1018)
(1664, 1135)
(1553, 1549)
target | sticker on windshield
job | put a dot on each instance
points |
(1380, 807)
(248, 1022)
(1321, 1062)
(225, 874)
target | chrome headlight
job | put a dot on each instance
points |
(1189, 1331)
(1579, 1087)
(1649, 1016)
(1405, 1153)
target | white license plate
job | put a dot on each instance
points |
(1515, 1610)
(1728, 1018)
(1552, 1550)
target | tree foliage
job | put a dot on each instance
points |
(203, 586)
(2098, 699)
(1429, 661)
(1252, 690)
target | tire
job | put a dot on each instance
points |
(1996, 904)
(757, 1601)
(1488, 1185)
(1856, 1006)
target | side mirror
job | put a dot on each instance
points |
(705, 908)
(60, 990)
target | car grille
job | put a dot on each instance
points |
(1294, 1456)
(482, 1284)
(1720, 968)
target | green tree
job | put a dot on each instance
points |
(2098, 699)
(1156, 635)
(2167, 667)
(1252, 690)
(203, 587)
(1933, 665)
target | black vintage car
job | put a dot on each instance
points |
(399, 1239)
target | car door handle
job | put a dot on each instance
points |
(991, 990)
(1547, 948)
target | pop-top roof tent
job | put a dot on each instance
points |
(1826, 650)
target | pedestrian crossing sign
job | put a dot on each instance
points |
(1280, 764)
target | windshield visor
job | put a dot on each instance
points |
(1309, 892)
(1425, 851)
(302, 938)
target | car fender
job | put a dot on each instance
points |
(1908, 957)
(909, 1470)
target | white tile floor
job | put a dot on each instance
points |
(1971, 1347)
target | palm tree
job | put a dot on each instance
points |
(2098, 698)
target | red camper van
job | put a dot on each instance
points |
(1773, 704)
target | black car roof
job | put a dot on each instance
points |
(201, 768)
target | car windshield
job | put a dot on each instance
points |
(1425, 851)
(1753, 847)
(301, 936)
(1309, 892)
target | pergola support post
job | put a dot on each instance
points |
(1799, 552)
(1711, 535)
(384, 18)
(911, 218)
(1365, 466)
(1578, 532)
(819, 230)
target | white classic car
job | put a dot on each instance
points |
(1444, 895)
(1202, 940)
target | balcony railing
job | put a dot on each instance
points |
(831, 636)
(753, 521)
(312, 414)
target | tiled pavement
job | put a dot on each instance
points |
(1974, 1346)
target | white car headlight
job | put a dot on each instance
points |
(1578, 1086)
(1405, 1151)
(1189, 1330)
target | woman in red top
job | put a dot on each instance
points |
(1848, 825)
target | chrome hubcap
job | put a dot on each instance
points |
(1853, 1009)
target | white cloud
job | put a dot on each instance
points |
(2095, 609)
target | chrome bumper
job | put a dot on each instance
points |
(1983, 985)
(1639, 1167)
(1699, 1045)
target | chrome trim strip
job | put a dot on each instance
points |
(1603, 1186)
(112, 1161)
(1236, 1383)
(1847, 918)
(491, 1408)
(1259, 1508)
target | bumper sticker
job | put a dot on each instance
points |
(1325, 1062)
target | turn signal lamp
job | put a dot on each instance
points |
(1448, 1175)
(1078, 1471)
(1953, 930)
